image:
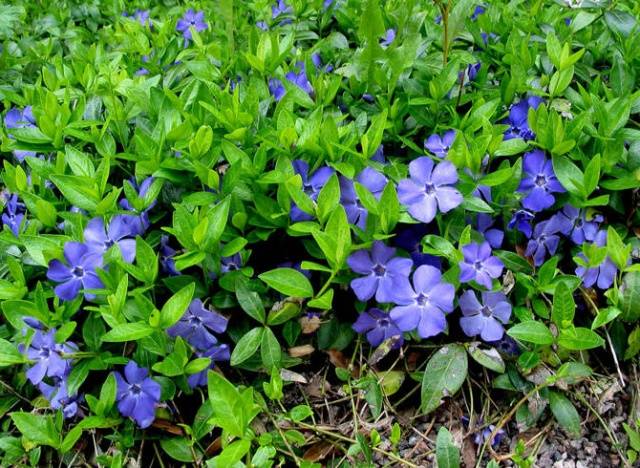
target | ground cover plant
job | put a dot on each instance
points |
(319, 232)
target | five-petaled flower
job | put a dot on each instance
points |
(538, 181)
(573, 222)
(373, 181)
(423, 306)
(378, 327)
(383, 272)
(13, 215)
(79, 272)
(311, 185)
(99, 240)
(518, 119)
(17, 118)
(58, 396)
(137, 394)
(198, 325)
(439, 145)
(545, 240)
(521, 220)
(215, 353)
(47, 356)
(486, 318)
(190, 19)
(429, 189)
(602, 275)
(479, 264)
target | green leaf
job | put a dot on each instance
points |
(247, 346)
(531, 331)
(489, 358)
(338, 229)
(39, 429)
(443, 376)
(270, 350)
(565, 413)
(629, 299)
(177, 448)
(9, 354)
(251, 303)
(288, 281)
(233, 453)
(128, 332)
(176, 306)
(79, 162)
(605, 316)
(569, 175)
(328, 198)
(300, 413)
(77, 191)
(563, 306)
(620, 22)
(447, 454)
(617, 250)
(591, 175)
(232, 411)
(579, 339)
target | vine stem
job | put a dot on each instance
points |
(353, 441)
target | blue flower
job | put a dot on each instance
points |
(384, 273)
(423, 306)
(13, 215)
(521, 220)
(518, 119)
(311, 185)
(216, 353)
(47, 356)
(484, 225)
(139, 223)
(120, 232)
(190, 19)
(538, 182)
(167, 263)
(79, 272)
(59, 398)
(137, 394)
(198, 325)
(373, 181)
(545, 240)
(479, 264)
(439, 145)
(17, 118)
(602, 275)
(378, 327)
(486, 318)
(573, 222)
(389, 37)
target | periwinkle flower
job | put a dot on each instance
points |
(487, 318)
(518, 119)
(383, 272)
(479, 264)
(378, 156)
(141, 16)
(484, 225)
(20, 118)
(47, 356)
(521, 220)
(602, 275)
(545, 240)
(506, 345)
(139, 223)
(262, 25)
(472, 71)
(137, 394)
(276, 88)
(482, 435)
(13, 215)
(439, 145)
(79, 272)
(280, 8)
(198, 325)
(216, 353)
(389, 37)
(378, 326)
(59, 398)
(423, 306)
(167, 263)
(478, 10)
(409, 238)
(429, 189)
(232, 263)
(373, 181)
(190, 19)
(99, 240)
(311, 185)
(298, 76)
(573, 222)
(538, 182)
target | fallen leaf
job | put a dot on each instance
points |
(290, 376)
(318, 451)
(309, 324)
(299, 351)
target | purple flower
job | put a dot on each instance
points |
(198, 324)
(141, 222)
(276, 88)
(428, 189)
(483, 435)
(378, 327)
(262, 25)
(410, 239)
(59, 398)
(484, 319)
(506, 345)
(16, 118)
(167, 253)
(545, 240)
(232, 263)
(78, 272)
(473, 70)
(143, 17)
(602, 275)
(13, 215)
(378, 156)
(215, 353)
(573, 223)
(538, 181)
(518, 119)
(47, 357)
(521, 220)
(191, 18)
(424, 306)
(298, 76)
(373, 181)
(137, 394)
(388, 38)
(479, 264)
(99, 240)
(479, 10)
(311, 185)
(484, 225)
(439, 145)
(383, 272)
(280, 8)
